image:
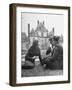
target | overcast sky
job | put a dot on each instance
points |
(51, 20)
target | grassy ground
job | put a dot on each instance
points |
(40, 71)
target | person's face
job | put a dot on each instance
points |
(53, 42)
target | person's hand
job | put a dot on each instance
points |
(34, 57)
(45, 56)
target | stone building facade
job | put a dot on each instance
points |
(41, 34)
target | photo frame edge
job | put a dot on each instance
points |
(12, 70)
(12, 62)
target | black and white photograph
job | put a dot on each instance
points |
(40, 44)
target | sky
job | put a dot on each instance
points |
(50, 21)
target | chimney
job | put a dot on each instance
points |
(38, 22)
(43, 22)
(53, 30)
(28, 30)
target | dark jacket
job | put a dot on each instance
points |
(33, 51)
(48, 51)
(56, 59)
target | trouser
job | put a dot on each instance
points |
(52, 64)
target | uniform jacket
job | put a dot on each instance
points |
(56, 59)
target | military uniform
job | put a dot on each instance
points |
(55, 61)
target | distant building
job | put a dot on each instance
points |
(41, 34)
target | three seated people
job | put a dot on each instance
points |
(53, 58)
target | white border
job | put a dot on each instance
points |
(63, 77)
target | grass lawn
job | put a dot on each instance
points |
(38, 70)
